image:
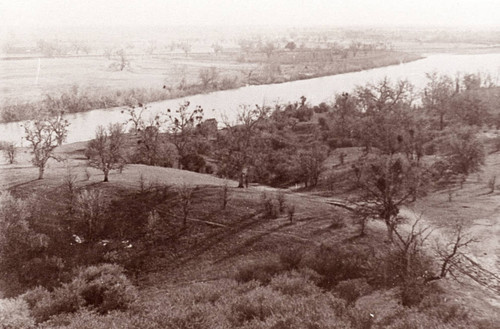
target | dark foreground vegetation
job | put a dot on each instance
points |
(132, 252)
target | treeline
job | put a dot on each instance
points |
(78, 99)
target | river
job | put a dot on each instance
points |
(217, 104)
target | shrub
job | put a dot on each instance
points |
(280, 198)
(337, 223)
(258, 304)
(268, 207)
(19, 242)
(15, 314)
(412, 319)
(228, 82)
(294, 283)
(412, 292)
(261, 271)
(88, 319)
(446, 311)
(321, 108)
(104, 287)
(351, 290)
(359, 319)
(291, 257)
(45, 271)
(44, 304)
(9, 150)
(338, 263)
(267, 308)
(193, 162)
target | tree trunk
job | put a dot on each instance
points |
(241, 181)
(390, 230)
(90, 230)
(40, 172)
(106, 172)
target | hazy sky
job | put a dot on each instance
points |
(250, 12)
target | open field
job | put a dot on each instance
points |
(30, 80)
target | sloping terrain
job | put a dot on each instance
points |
(218, 243)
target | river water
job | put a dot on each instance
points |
(225, 103)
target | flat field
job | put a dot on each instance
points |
(30, 79)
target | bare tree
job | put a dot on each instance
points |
(268, 48)
(60, 128)
(108, 52)
(311, 164)
(209, 76)
(225, 195)
(185, 194)
(450, 251)
(290, 211)
(185, 47)
(463, 153)
(410, 244)
(69, 185)
(9, 150)
(414, 268)
(246, 45)
(183, 124)
(355, 47)
(80, 46)
(90, 205)
(121, 60)
(149, 145)
(106, 150)
(217, 48)
(291, 46)
(152, 45)
(437, 96)
(43, 139)
(236, 142)
(385, 184)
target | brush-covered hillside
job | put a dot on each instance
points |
(367, 213)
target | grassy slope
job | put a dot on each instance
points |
(214, 253)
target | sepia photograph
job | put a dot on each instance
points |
(253, 164)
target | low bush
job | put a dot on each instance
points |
(351, 290)
(44, 304)
(15, 314)
(321, 108)
(291, 257)
(104, 287)
(89, 319)
(338, 263)
(257, 304)
(269, 208)
(412, 319)
(294, 283)
(446, 311)
(412, 292)
(262, 271)
(359, 319)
